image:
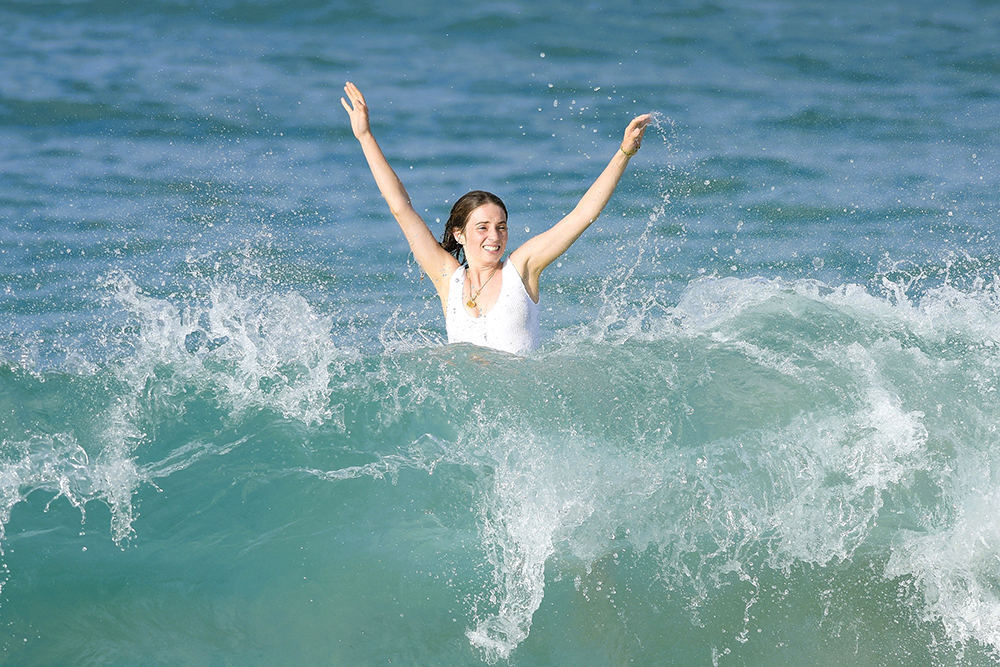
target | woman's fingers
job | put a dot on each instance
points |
(357, 100)
(354, 94)
(354, 104)
(634, 132)
(640, 122)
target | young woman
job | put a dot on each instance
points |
(487, 301)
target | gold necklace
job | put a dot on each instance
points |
(471, 303)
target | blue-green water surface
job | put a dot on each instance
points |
(763, 423)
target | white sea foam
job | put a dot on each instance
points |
(253, 351)
(813, 490)
(246, 353)
(760, 426)
(58, 464)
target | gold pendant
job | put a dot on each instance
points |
(470, 303)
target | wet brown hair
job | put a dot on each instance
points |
(460, 213)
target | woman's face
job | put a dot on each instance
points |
(485, 234)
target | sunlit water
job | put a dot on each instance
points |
(762, 426)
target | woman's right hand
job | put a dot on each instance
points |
(357, 110)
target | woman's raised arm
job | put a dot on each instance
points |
(432, 258)
(540, 251)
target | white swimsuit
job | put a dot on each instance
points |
(511, 324)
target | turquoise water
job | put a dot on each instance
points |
(763, 425)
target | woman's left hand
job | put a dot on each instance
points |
(634, 132)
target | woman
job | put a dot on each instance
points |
(486, 301)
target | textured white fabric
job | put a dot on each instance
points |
(511, 324)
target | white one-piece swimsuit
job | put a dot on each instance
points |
(510, 325)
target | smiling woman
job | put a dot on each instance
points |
(487, 301)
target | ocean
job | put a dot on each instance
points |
(762, 428)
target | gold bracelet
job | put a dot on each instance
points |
(627, 154)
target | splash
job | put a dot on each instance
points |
(59, 465)
(251, 352)
(760, 434)
(242, 353)
(861, 462)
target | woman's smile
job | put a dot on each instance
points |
(486, 230)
